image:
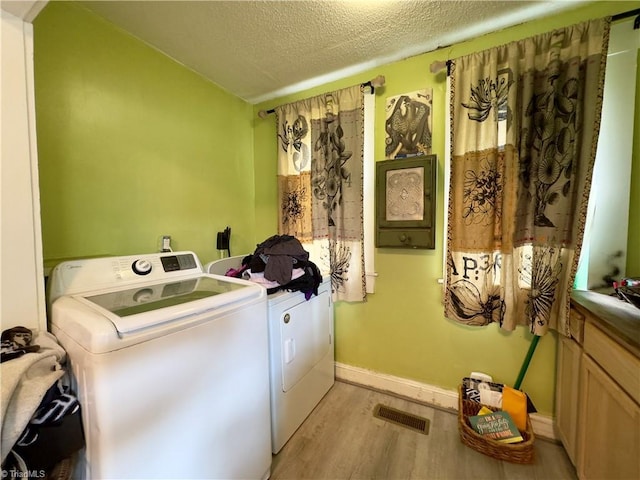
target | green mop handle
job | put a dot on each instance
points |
(527, 360)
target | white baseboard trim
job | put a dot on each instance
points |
(543, 425)
(399, 386)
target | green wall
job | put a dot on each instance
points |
(401, 329)
(633, 238)
(133, 145)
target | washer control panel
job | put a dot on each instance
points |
(91, 274)
(171, 263)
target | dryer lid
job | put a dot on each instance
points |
(144, 306)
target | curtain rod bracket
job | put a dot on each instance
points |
(436, 66)
(374, 83)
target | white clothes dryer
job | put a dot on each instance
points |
(170, 365)
(301, 352)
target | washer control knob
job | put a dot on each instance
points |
(141, 267)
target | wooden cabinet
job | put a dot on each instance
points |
(609, 427)
(598, 399)
(406, 202)
(567, 393)
(568, 384)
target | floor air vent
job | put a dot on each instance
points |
(404, 419)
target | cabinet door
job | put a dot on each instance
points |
(567, 394)
(609, 430)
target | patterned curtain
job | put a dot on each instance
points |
(525, 122)
(320, 172)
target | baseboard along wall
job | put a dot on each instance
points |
(543, 425)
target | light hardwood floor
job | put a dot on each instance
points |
(341, 439)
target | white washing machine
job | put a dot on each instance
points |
(171, 367)
(301, 352)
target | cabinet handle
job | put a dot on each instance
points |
(287, 317)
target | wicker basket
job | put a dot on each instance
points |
(521, 452)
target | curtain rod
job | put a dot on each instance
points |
(630, 13)
(373, 84)
(441, 65)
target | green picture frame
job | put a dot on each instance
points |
(406, 202)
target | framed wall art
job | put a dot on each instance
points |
(406, 202)
(408, 124)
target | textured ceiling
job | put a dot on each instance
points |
(260, 50)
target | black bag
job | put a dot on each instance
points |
(53, 434)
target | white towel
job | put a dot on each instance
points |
(25, 381)
(258, 277)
